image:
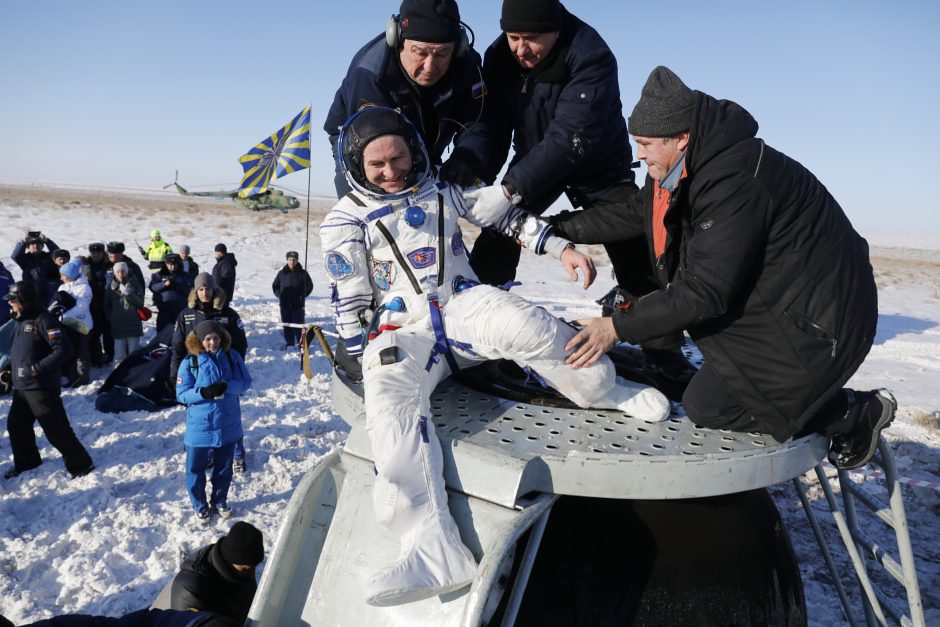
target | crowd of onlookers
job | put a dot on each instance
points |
(67, 314)
(70, 314)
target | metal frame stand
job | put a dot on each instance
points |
(862, 550)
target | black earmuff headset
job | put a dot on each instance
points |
(395, 40)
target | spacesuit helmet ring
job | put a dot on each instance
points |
(366, 125)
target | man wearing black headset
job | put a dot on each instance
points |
(423, 65)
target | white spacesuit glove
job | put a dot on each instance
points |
(488, 204)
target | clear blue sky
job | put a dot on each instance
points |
(124, 93)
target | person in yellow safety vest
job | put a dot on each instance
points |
(157, 251)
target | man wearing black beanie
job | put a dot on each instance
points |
(424, 65)
(758, 262)
(220, 577)
(555, 97)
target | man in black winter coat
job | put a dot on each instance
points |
(37, 265)
(554, 96)
(292, 285)
(205, 303)
(758, 262)
(189, 264)
(220, 577)
(223, 272)
(422, 65)
(140, 618)
(171, 287)
(38, 351)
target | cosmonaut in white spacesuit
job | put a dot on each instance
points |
(394, 241)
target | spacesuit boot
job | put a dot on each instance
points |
(434, 561)
(410, 500)
(643, 402)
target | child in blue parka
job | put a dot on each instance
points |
(208, 382)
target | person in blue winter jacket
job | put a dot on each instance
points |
(209, 382)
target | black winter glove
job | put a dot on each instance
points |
(6, 382)
(56, 311)
(212, 391)
(460, 170)
(351, 365)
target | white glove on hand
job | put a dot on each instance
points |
(488, 204)
(125, 288)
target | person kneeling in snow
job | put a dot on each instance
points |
(395, 240)
(220, 577)
(209, 383)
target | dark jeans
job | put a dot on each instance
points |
(77, 368)
(294, 315)
(709, 403)
(96, 340)
(27, 407)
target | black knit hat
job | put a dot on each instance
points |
(206, 327)
(431, 21)
(244, 544)
(531, 16)
(62, 253)
(666, 106)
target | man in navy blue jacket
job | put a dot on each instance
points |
(555, 98)
(423, 65)
(170, 287)
(292, 286)
(37, 353)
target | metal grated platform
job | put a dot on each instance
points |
(530, 429)
(597, 453)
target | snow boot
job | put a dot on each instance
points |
(855, 448)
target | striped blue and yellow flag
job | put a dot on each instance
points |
(286, 151)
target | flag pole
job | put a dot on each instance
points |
(307, 226)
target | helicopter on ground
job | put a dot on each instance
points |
(270, 198)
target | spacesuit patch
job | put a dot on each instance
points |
(422, 257)
(337, 266)
(382, 273)
(456, 243)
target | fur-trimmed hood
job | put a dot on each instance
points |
(194, 346)
(218, 299)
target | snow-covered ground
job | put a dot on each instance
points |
(108, 542)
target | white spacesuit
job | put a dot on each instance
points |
(405, 253)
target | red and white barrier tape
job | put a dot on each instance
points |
(878, 474)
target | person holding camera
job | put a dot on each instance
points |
(37, 265)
